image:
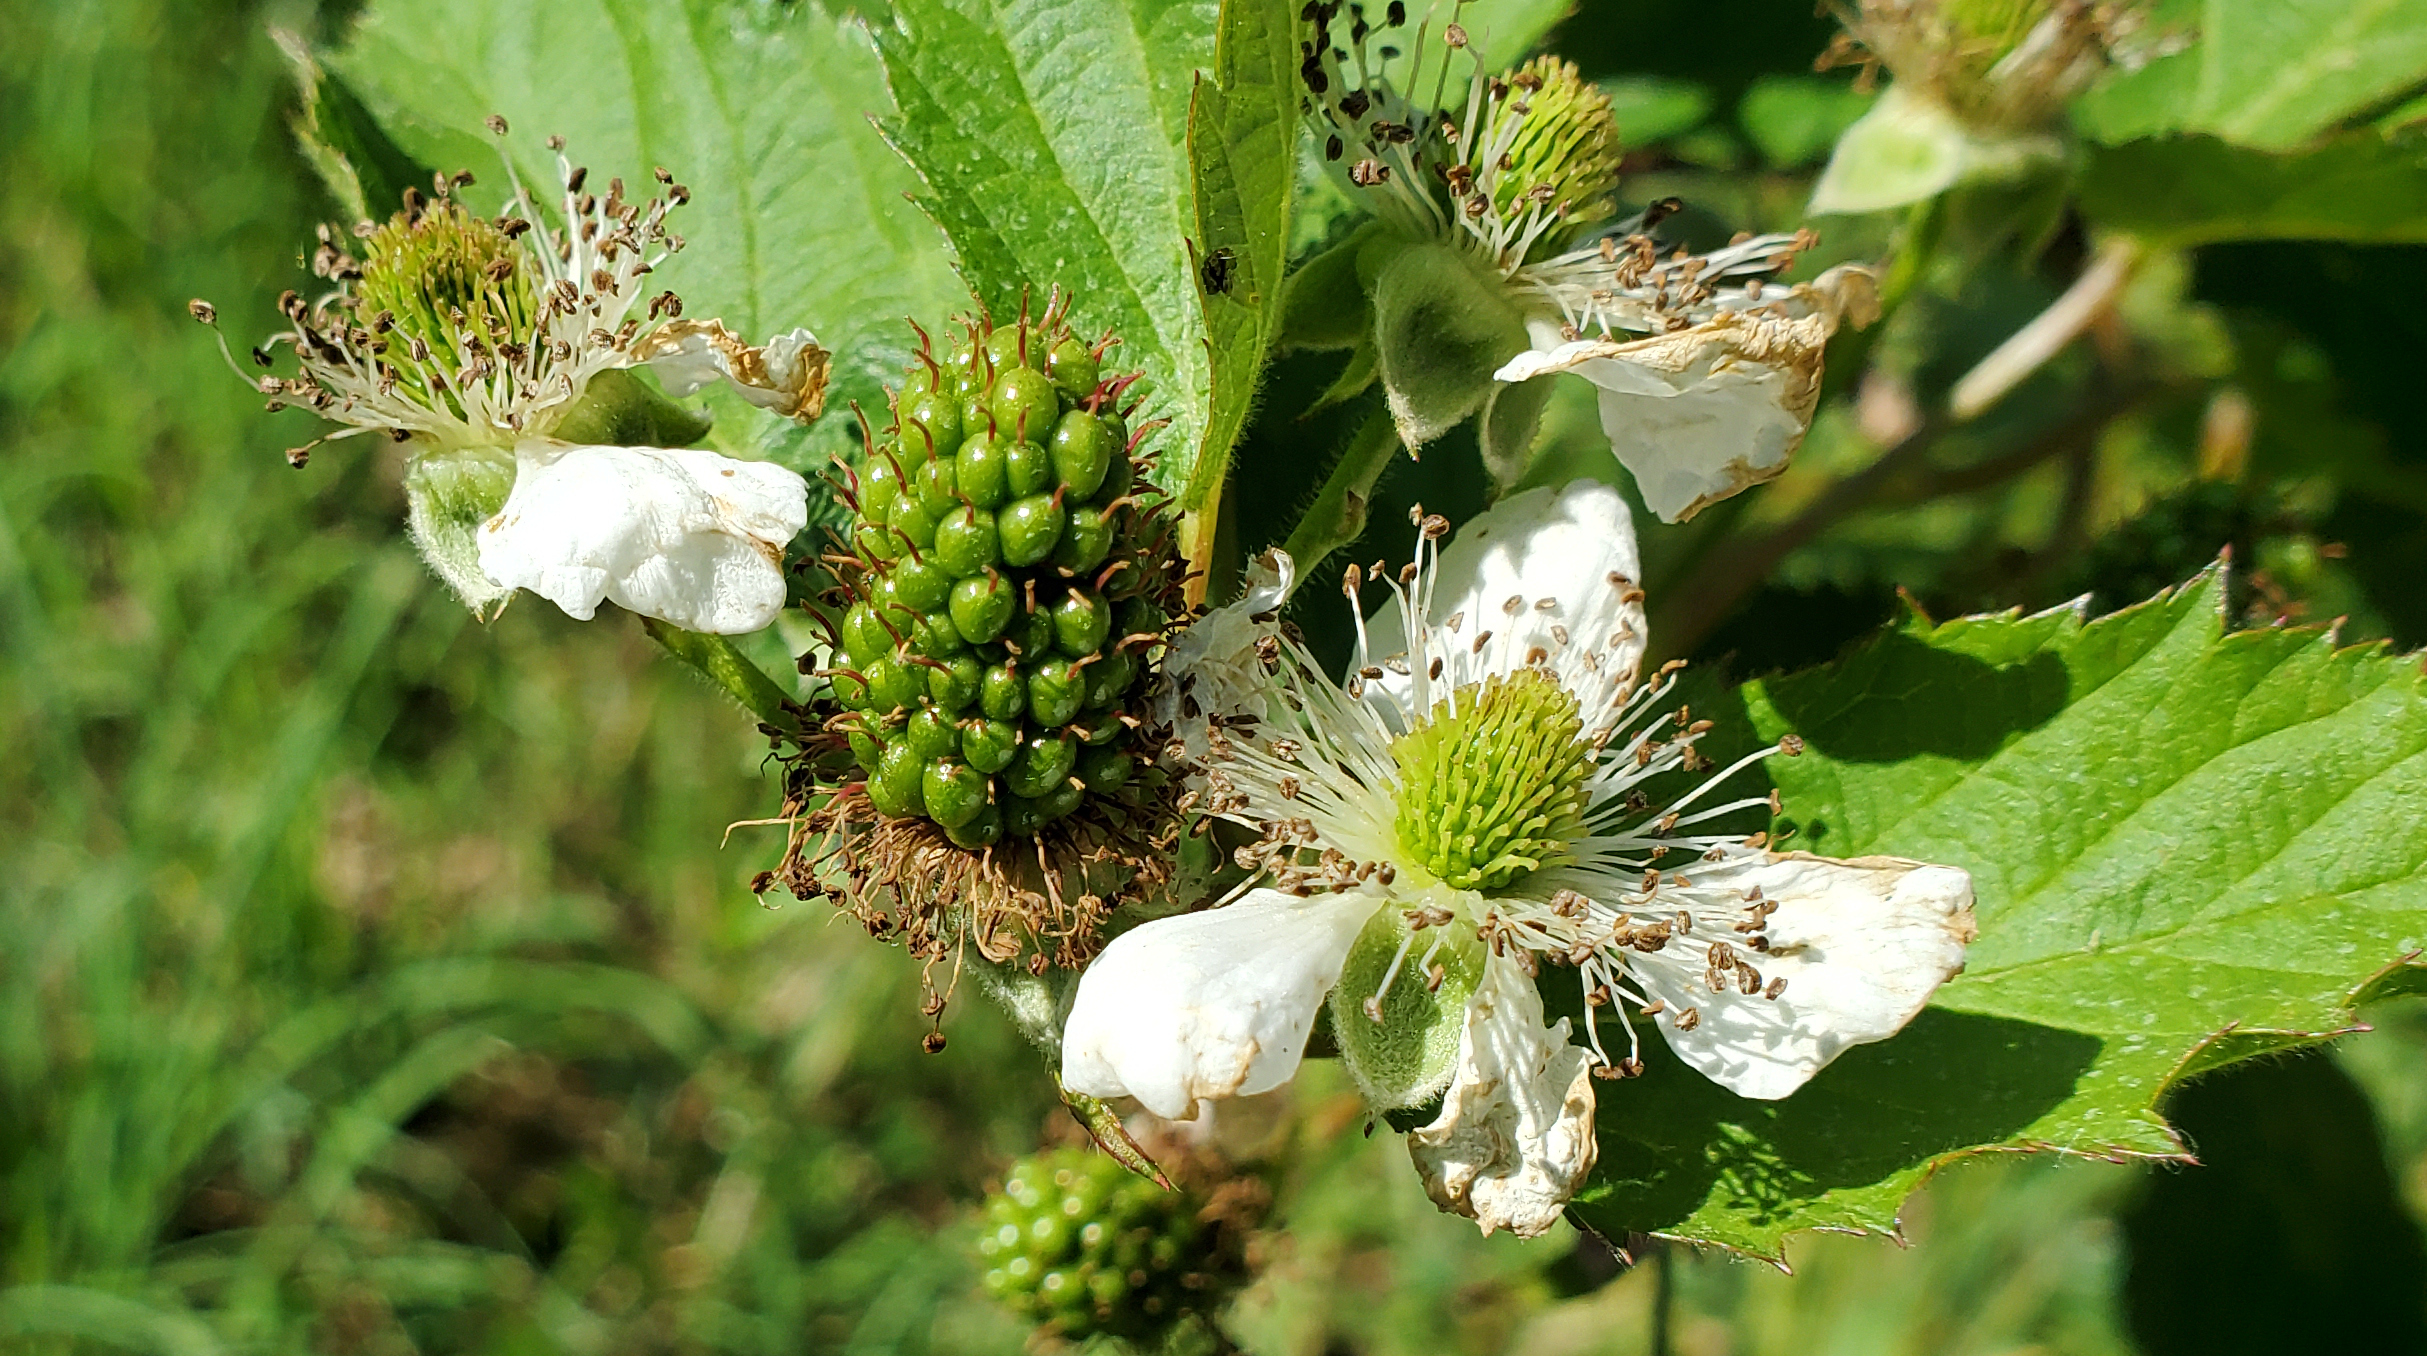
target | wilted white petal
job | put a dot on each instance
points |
(1514, 1139)
(1212, 1004)
(1698, 414)
(788, 376)
(1861, 945)
(680, 534)
(1213, 663)
(1566, 559)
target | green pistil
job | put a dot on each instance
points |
(441, 276)
(1496, 788)
(1567, 142)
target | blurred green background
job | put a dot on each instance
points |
(373, 981)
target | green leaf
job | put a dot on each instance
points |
(1243, 162)
(2188, 847)
(1648, 108)
(2271, 74)
(1052, 142)
(1794, 119)
(797, 215)
(362, 169)
(2182, 191)
(1503, 31)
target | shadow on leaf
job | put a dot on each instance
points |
(1680, 1154)
(1899, 698)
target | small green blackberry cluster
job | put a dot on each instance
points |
(1008, 568)
(1078, 1244)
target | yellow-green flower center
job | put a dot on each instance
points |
(1491, 784)
(444, 276)
(1565, 148)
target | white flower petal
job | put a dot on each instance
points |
(1861, 944)
(1212, 1004)
(1514, 1139)
(1566, 558)
(680, 534)
(1698, 414)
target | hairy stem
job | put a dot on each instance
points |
(735, 676)
(1338, 514)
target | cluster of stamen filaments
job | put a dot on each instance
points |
(1513, 171)
(1429, 174)
(1313, 777)
(1715, 930)
(1515, 177)
(1363, 118)
(466, 360)
(1631, 282)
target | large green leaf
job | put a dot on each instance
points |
(1052, 139)
(2197, 190)
(1243, 162)
(797, 215)
(2265, 73)
(2188, 847)
(1060, 145)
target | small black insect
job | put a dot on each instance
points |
(1215, 271)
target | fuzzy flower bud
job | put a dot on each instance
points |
(1980, 92)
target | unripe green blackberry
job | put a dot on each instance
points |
(992, 535)
(1079, 1245)
(983, 768)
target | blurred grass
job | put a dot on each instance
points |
(371, 981)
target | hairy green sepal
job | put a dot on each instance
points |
(1441, 327)
(448, 495)
(1325, 305)
(1405, 1059)
(619, 409)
